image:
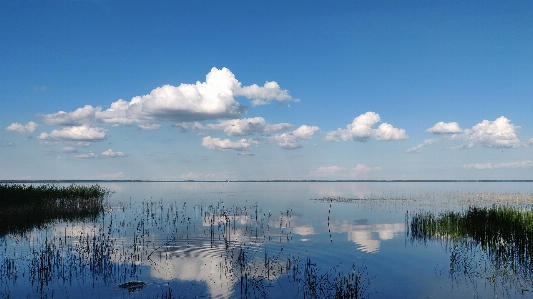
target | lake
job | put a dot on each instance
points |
(283, 240)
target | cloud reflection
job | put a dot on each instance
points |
(364, 235)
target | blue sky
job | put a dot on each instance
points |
(266, 90)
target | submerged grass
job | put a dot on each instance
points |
(24, 207)
(113, 252)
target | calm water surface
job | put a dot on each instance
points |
(291, 240)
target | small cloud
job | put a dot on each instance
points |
(39, 89)
(111, 154)
(263, 95)
(89, 155)
(7, 143)
(68, 149)
(206, 176)
(245, 154)
(445, 128)
(226, 144)
(146, 127)
(183, 126)
(278, 127)
(517, 164)
(111, 175)
(386, 131)
(328, 171)
(418, 148)
(23, 129)
(530, 141)
(290, 140)
(191, 176)
(81, 133)
(106, 154)
(361, 130)
(84, 143)
(362, 170)
(78, 117)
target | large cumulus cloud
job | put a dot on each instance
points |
(212, 99)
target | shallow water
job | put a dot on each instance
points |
(232, 240)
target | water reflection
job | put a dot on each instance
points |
(228, 249)
(492, 244)
(364, 235)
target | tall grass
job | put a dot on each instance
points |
(24, 207)
(489, 242)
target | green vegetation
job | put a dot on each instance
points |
(26, 207)
(492, 243)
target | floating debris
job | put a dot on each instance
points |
(133, 285)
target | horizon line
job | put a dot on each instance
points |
(265, 181)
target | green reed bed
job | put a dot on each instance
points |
(490, 242)
(24, 207)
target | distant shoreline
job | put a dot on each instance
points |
(258, 181)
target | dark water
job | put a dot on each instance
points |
(253, 240)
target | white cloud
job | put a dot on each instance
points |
(191, 176)
(111, 154)
(28, 128)
(500, 133)
(79, 117)
(206, 176)
(530, 141)
(263, 95)
(111, 175)
(245, 154)
(81, 133)
(290, 140)
(89, 155)
(361, 129)
(281, 127)
(361, 170)
(445, 128)
(243, 127)
(68, 149)
(212, 99)
(225, 144)
(146, 127)
(417, 148)
(183, 126)
(106, 154)
(328, 171)
(386, 131)
(517, 164)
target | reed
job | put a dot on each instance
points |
(489, 242)
(24, 207)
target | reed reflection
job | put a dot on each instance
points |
(488, 243)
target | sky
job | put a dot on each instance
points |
(262, 90)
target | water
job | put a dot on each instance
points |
(292, 240)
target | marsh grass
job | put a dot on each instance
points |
(24, 207)
(493, 243)
(111, 252)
